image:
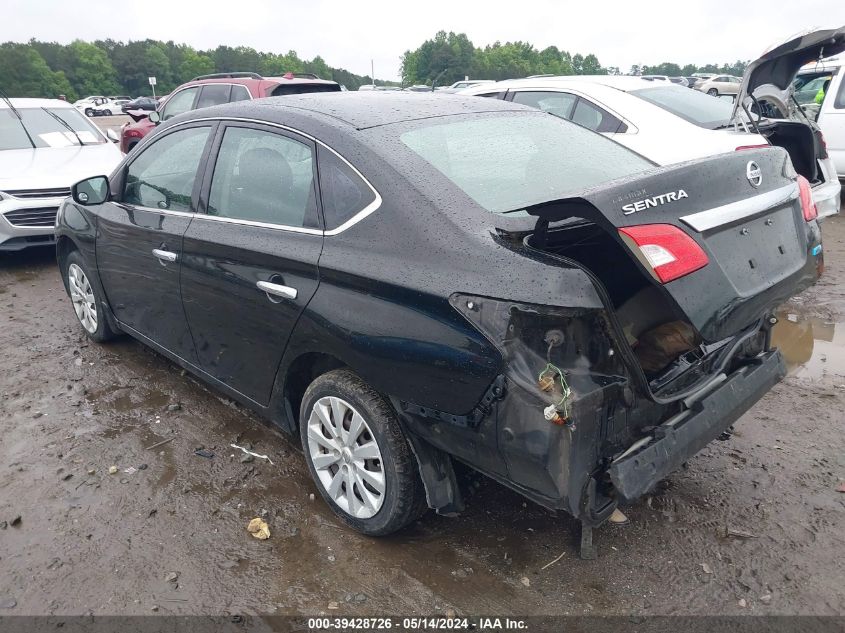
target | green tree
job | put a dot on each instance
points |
(89, 69)
(24, 73)
(194, 64)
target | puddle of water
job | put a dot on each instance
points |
(812, 347)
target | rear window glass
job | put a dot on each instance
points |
(691, 105)
(506, 163)
(344, 194)
(297, 88)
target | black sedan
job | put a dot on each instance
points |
(407, 281)
(141, 103)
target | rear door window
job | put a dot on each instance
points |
(343, 192)
(213, 94)
(265, 177)
(557, 103)
(594, 118)
(162, 176)
(239, 93)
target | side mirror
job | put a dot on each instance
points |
(91, 191)
(155, 117)
(113, 136)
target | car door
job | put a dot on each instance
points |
(139, 236)
(832, 121)
(250, 256)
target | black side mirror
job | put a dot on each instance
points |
(155, 117)
(91, 191)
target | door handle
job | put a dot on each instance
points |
(277, 290)
(164, 256)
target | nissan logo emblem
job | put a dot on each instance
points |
(753, 173)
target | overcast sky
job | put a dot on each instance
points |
(348, 33)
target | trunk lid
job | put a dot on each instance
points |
(779, 65)
(742, 209)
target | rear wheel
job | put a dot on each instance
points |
(713, 92)
(358, 456)
(107, 113)
(86, 299)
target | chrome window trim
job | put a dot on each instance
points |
(712, 218)
(363, 213)
(138, 207)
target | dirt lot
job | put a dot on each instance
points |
(93, 542)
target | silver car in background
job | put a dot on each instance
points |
(46, 145)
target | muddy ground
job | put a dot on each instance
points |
(93, 542)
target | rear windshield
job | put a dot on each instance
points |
(508, 162)
(691, 105)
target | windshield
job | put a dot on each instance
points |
(508, 162)
(696, 107)
(44, 130)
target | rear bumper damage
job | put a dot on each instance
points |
(674, 442)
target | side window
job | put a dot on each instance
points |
(213, 94)
(179, 103)
(261, 176)
(593, 117)
(239, 93)
(557, 103)
(342, 191)
(839, 103)
(162, 175)
(494, 95)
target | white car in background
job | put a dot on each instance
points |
(664, 122)
(46, 145)
(720, 85)
(87, 105)
(109, 107)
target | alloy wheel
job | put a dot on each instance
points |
(82, 296)
(346, 457)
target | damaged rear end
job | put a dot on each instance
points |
(690, 263)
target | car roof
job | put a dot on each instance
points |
(360, 110)
(620, 82)
(36, 103)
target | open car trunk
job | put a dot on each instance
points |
(801, 142)
(731, 225)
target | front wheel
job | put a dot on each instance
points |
(358, 456)
(713, 92)
(89, 112)
(86, 299)
(107, 113)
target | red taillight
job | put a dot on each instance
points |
(741, 147)
(670, 252)
(132, 133)
(805, 193)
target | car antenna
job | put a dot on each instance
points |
(64, 123)
(14, 110)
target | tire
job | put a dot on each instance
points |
(107, 113)
(87, 299)
(373, 510)
(89, 112)
(713, 92)
(131, 146)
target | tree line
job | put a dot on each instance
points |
(109, 67)
(450, 57)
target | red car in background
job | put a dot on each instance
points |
(209, 90)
